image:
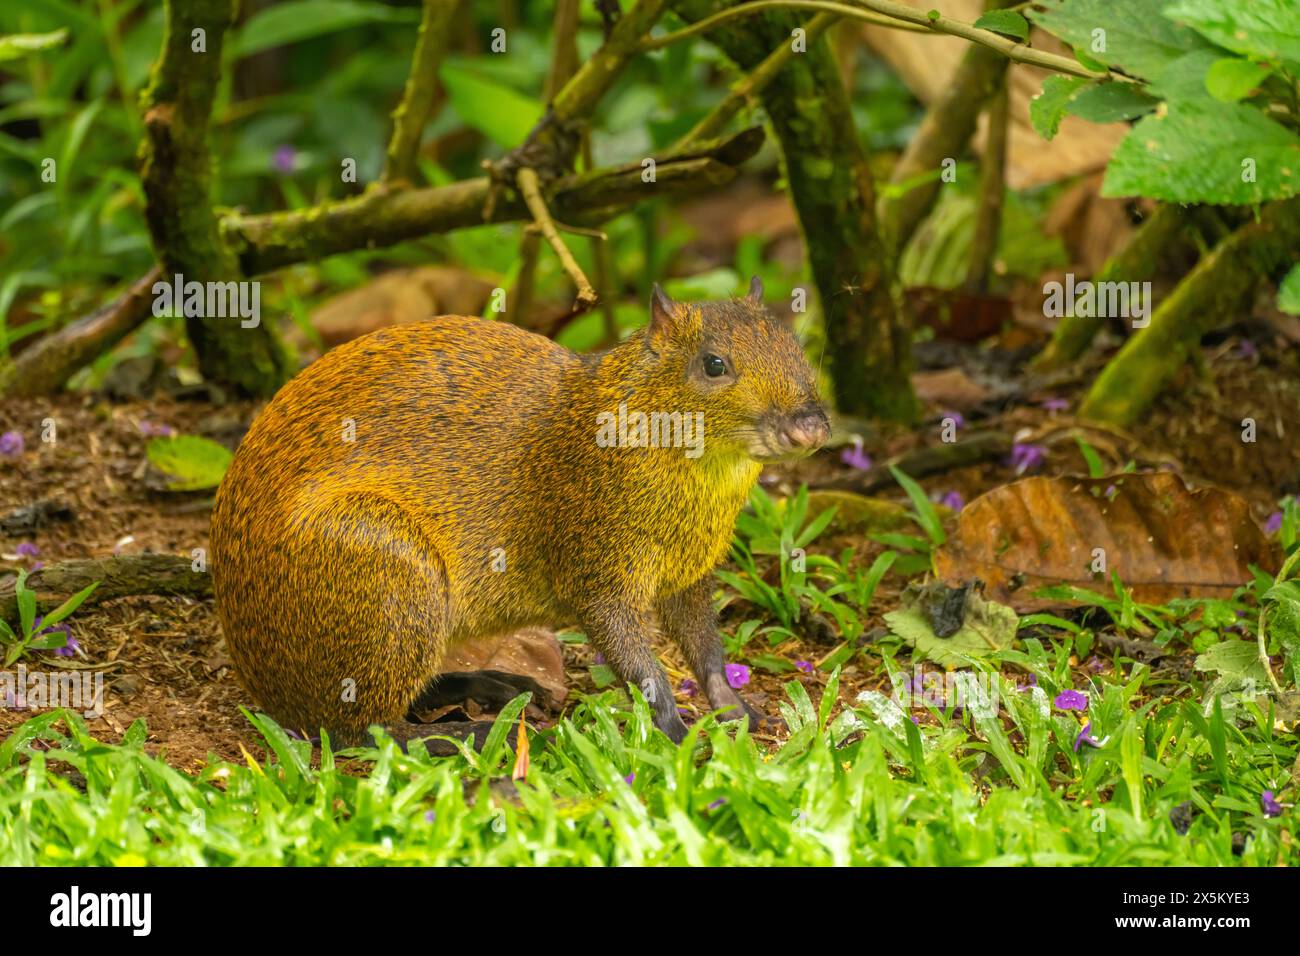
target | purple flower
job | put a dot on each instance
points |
(1246, 349)
(1274, 523)
(599, 658)
(737, 675)
(158, 430)
(953, 500)
(629, 778)
(717, 803)
(855, 457)
(1027, 457)
(430, 816)
(70, 645)
(1071, 700)
(11, 444)
(1056, 404)
(688, 687)
(1085, 738)
(1096, 664)
(805, 666)
(285, 159)
(1271, 807)
(26, 549)
(958, 419)
(1033, 682)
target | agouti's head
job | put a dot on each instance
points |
(739, 365)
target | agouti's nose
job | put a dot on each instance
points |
(806, 430)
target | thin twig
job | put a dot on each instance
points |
(531, 190)
(887, 13)
(416, 108)
(751, 84)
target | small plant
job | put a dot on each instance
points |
(38, 632)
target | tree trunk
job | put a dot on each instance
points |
(866, 337)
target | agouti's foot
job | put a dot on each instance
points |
(671, 723)
(743, 711)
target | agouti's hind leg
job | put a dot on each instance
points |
(624, 637)
(355, 631)
(688, 619)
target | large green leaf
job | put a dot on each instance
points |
(285, 23)
(1232, 78)
(1047, 109)
(500, 113)
(20, 44)
(1288, 293)
(987, 627)
(1133, 36)
(1198, 152)
(1007, 22)
(1268, 29)
(192, 462)
(1111, 103)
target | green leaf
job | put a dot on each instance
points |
(1134, 36)
(988, 627)
(602, 675)
(18, 45)
(1283, 622)
(1267, 29)
(927, 515)
(499, 112)
(1113, 102)
(26, 605)
(1288, 293)
(285, 23)
(1231, 79)
(192, 462)
(1007, 22)
(68, 606)
(1095, 467)
(1200, 151)
(1237, 664)
(1047, 109)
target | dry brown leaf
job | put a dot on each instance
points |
(532, 652)
(1163, 539)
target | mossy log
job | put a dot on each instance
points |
(119, 576)
(1170, 230)
(1214, 293)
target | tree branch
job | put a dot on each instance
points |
(47, 364)
(889, 14)
(530, 189)
(416, 108)
(382, 217)
(176, 173)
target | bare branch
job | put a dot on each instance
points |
(416, 108)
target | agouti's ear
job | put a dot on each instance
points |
(663, 312)
(756, 291)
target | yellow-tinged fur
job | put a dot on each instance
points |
(344, 569)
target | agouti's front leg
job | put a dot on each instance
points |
(688, 618)
(624, 637)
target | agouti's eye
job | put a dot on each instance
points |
(714, 366)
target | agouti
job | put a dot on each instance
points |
(432, 483)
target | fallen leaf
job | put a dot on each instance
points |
(1163, 539)
(530, 652)
(986, 627)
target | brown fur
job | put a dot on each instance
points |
(362, 561)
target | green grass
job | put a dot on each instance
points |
(863, 785)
